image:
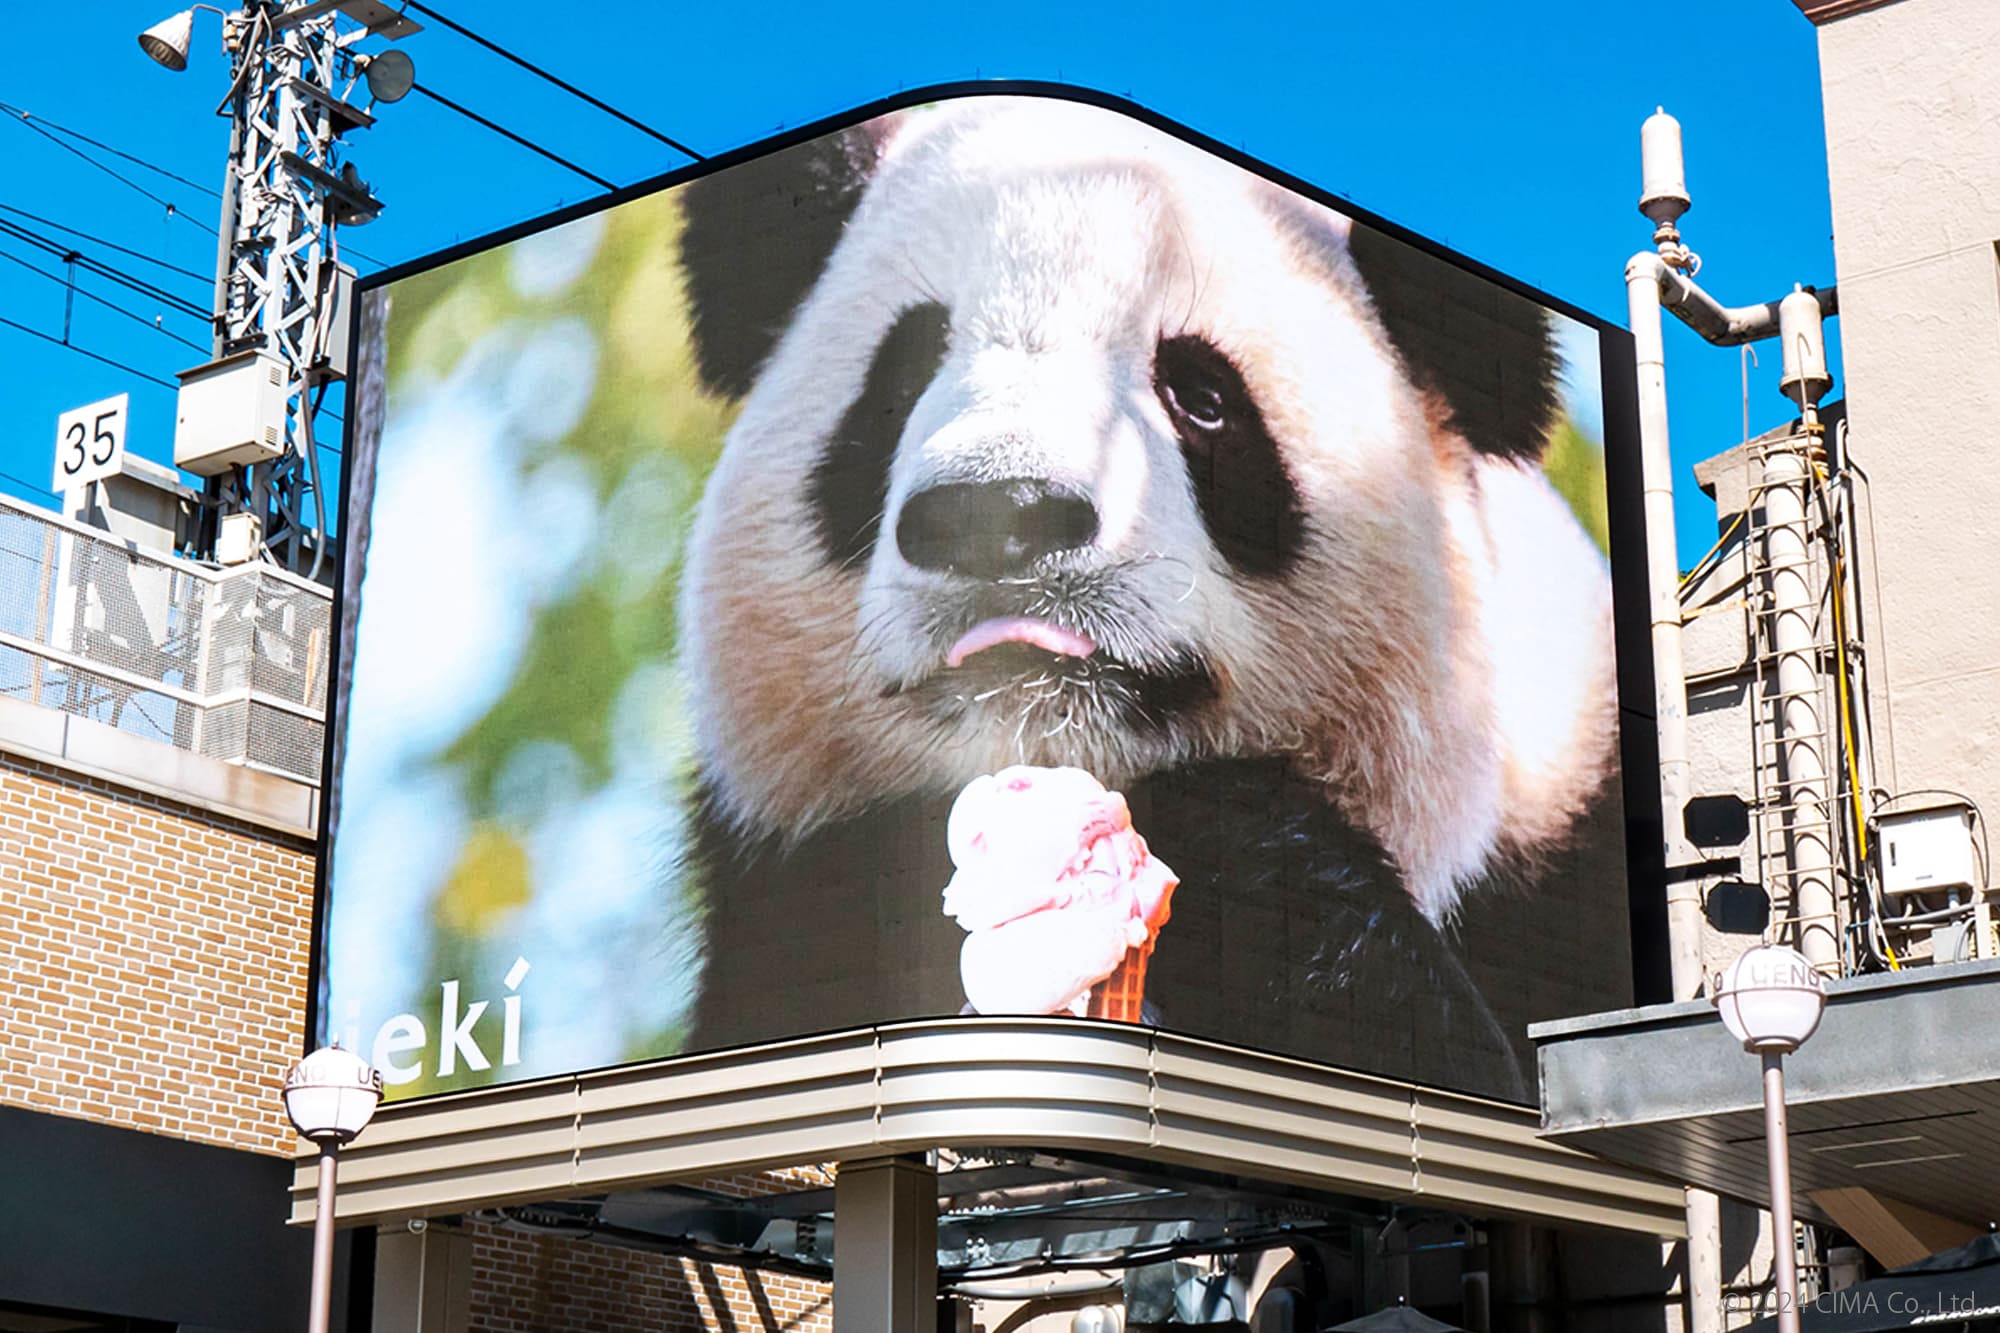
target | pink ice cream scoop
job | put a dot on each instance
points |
(1056, 891)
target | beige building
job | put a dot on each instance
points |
(1901, 553)
(1913, 163)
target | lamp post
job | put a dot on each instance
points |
(330, 1096)
(1771, 1000)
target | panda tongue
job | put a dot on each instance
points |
(1018, 629)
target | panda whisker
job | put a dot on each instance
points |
(913, 271)
(1194, 283)
(871, 524)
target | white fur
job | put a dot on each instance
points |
(1440, 657)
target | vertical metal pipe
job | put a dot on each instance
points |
(322, 1268)
(1796, 711)
(1777, 1147)
(225, 231)
(1704, 1262)
(1642, 289)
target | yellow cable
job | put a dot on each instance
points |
(1695, 568)
(1847, 721)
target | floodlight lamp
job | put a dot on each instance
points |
(167, 41)
(1771, 999)
(331, 1095)
(390, 74)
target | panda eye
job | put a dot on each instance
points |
(1235, 467)
(1192, 380)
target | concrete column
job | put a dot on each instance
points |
(885, 1246)
(423, 1281)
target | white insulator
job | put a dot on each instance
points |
(1803, 339)
(1663, 194)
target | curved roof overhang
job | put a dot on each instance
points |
(1059, 1084)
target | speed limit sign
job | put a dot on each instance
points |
(90, 442)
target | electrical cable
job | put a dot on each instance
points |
(173, 209)
(566, 86)
(70, 254)
(23, 481)
(505, 133)
(85, 351)
(109, 245)
(313, 482)
(88, 295)
(27, 115)
(1696, 569)
(1838, 595)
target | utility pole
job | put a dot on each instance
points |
(246, 419)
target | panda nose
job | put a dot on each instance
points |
(992, 529)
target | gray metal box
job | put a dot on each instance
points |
(1927, 848)
(231, 411)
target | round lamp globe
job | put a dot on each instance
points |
(1771, 999)
(331, 1095)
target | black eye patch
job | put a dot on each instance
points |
(850, 483)
(1247, 499)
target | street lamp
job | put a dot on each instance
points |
(330, 1096)
(167, 41)
(1771, 1000)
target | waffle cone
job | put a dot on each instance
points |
(1119, 997)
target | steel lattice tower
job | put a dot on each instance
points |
(286, 196)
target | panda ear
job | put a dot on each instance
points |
(754, 240)
(1486, 351)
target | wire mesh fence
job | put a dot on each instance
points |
(230, 663)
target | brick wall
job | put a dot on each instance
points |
(152, 959)
(523, 1282)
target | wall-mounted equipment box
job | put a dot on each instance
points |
(231, 412)
(338, 359)
(239, 538)
(1927, 848)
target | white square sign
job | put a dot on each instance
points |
(90, 442)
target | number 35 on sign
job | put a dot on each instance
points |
(90, 442)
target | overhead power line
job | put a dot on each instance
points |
(134, 159)
(70, 254)
(23, 481)
(563, 84)
(173, 209)
(88, 295)
(506, 133)
(85, 351)
(109, 245)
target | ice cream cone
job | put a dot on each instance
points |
(1121, 995)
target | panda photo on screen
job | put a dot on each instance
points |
(1065, 442)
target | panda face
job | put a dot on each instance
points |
(1082, 447)
(1073, 455)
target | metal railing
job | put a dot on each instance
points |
(227, 663)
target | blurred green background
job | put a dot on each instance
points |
(643, 447)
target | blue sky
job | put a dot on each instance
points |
(1509, 132)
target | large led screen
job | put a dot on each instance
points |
(1001, 557)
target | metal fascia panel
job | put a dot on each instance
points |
(1087, 1085)
(1029, 1083)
